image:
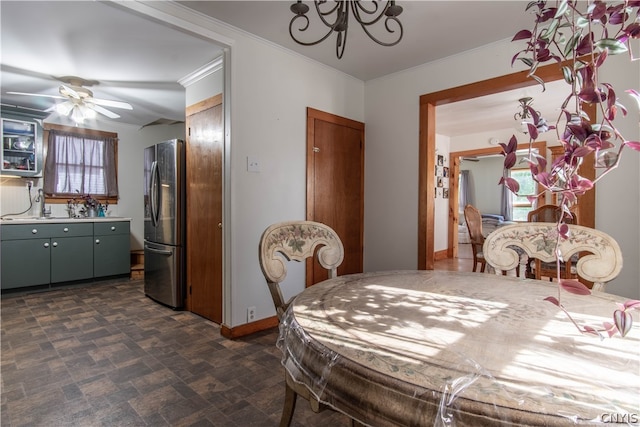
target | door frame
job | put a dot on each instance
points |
(312, 116)
(427, 148)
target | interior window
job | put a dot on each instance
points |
(81, 161)
(522, 205)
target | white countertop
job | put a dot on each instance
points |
(36, 220)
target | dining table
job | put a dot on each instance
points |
(445, 348)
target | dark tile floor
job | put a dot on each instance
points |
(105, 355)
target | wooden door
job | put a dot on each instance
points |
(335, 186)
(205, 142)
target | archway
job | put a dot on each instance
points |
(427, 148)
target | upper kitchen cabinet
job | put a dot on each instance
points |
(21, 145)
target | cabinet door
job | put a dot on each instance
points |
(71, 258)
(21, 146)
(25, 263)
(111, 255)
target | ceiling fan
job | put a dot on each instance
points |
(78, 101)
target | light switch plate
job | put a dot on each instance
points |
(253, 165)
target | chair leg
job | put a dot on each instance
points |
(482, 267)
(475, 265)
(289, 406)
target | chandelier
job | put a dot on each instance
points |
(336, 17)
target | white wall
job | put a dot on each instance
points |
(271, 89)
(484, 177)
(391, 111)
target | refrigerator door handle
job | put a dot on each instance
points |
(157, 251)
(154, 193)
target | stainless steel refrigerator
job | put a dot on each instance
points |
(164, 222)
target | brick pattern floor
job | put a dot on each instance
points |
(106, 355)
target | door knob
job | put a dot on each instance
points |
(220, 225)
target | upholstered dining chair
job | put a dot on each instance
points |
(296, 241)
(538, 269)
(473, 218)
(600, 262)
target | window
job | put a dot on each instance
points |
(522, 205)
(81, 161)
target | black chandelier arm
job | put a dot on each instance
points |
(302, 29)
(340, 10)
(389, 30)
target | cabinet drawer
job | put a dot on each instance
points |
(72, 229)
(106, 228)
(27, 231)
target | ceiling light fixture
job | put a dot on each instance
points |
(524, 117)
(336, 17)
(75, 106)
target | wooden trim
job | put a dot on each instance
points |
(426, 184)
(204, 105)
(248, 328)
(427, 147)
(440, 255)
(312, 116)
(331, 118)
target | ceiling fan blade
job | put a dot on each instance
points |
(109, 103)
(36, 94)
(103, 111)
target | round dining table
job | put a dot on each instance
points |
(439, 348)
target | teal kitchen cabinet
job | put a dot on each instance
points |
(25, 262)
(40, 254)
(72, 252)
(111, 248)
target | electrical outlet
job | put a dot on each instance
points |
(251, 314)
(29, 184)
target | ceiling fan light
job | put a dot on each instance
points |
(64, 108)
(88, 113)
(76, 115)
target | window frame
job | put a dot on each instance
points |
(530, 205)
(63, 198)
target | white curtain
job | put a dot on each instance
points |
(80, 164)
(464, 195)
(506, 203)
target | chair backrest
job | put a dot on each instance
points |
(600, 260)
(296, 241)
(550, 213)
(473, 219)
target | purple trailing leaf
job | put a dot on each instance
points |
(632, 305)
(623, 321)
(522, 35)
(634, 145)
(510, 160)
(512, 184)
(553, 300)
(574, 287)
(635, 95)
(564, 231)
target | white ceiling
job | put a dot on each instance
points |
(139, 61)
(133, 59)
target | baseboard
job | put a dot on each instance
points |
(440, 255)
(248, 328)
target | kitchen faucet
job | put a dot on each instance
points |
(43, 209)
